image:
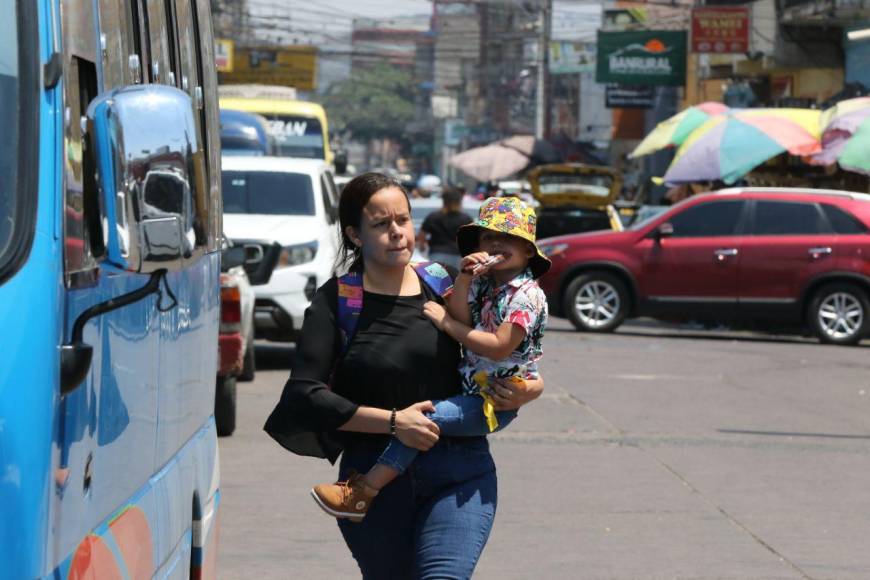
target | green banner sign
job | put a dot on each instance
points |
(642, 57)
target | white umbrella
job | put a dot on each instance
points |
(490, 162)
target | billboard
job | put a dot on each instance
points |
(571, 57)
(720, 29)
(289, 66)
(642, 57)
(223, 54)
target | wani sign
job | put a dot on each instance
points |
(642, 57)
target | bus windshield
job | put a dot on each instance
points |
(265, 192)
(297, 136)
(9, 116)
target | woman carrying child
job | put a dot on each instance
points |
(347, 394)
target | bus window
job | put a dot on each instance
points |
(114, 63)
(82, 228)
(8, 120)
(140, 38)
(17, 117)
(158, 31)
(297, 136)
(190, 71)
(172, 35)
(210, 122)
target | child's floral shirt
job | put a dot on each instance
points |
(520, 301)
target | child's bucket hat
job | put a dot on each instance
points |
(507, 215)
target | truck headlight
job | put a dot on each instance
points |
(298, 254)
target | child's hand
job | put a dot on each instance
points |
(472, 263)
(436, 313)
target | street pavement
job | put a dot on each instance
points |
(657, 452)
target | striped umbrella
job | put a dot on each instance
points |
(846, 136)
(674, 131)
(729, 146)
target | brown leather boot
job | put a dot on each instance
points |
(345, 499)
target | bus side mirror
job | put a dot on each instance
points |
(143, 139)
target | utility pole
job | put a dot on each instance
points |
(542, 109)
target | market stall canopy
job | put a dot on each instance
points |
(504, 158)
(846, 136)
(729, 146)
(674, 131)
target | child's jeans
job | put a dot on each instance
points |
(460, 416)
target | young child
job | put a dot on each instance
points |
(498, 313)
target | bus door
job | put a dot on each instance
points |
(129, 468)
(107, 426)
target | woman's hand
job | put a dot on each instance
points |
(508, 395)
(415, 429)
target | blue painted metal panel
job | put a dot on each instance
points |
(142, 417)
(29, 373)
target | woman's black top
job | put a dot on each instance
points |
(396, 358)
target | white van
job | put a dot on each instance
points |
(289, 207)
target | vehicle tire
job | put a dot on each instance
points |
(225, 406)
(596, 302)
(249, 365)
(839, 313)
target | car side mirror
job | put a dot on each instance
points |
(243, 255)
(143, 139)
(664, 230)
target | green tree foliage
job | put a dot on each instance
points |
(374, 103)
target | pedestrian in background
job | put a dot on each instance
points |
(438, 232)
(433, 521)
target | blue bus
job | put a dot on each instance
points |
(110, 220)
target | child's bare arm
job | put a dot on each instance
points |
(457, 303)
(496, 345)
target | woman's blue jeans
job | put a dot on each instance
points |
(432, 521)
(460, 416)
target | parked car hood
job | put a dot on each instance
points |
(284, 229)
(596, 237)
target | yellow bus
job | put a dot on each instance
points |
(300, 128)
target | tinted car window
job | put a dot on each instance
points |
(558, 222)
(716, 218)
(263, 192)
(843, 222)
(781, 218)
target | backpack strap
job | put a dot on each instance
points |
(350, 299)
(436, 277)
(350, 295)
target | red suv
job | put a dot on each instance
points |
(774, 256)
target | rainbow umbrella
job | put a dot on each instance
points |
(729, 146)
(674, 131)
(841, 124)
(855, 155)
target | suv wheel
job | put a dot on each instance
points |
(596, 302)
(838, 313)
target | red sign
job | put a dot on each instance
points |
(721, 30)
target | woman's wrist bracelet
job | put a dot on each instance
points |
(393, 422)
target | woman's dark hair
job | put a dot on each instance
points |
(354, 197)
